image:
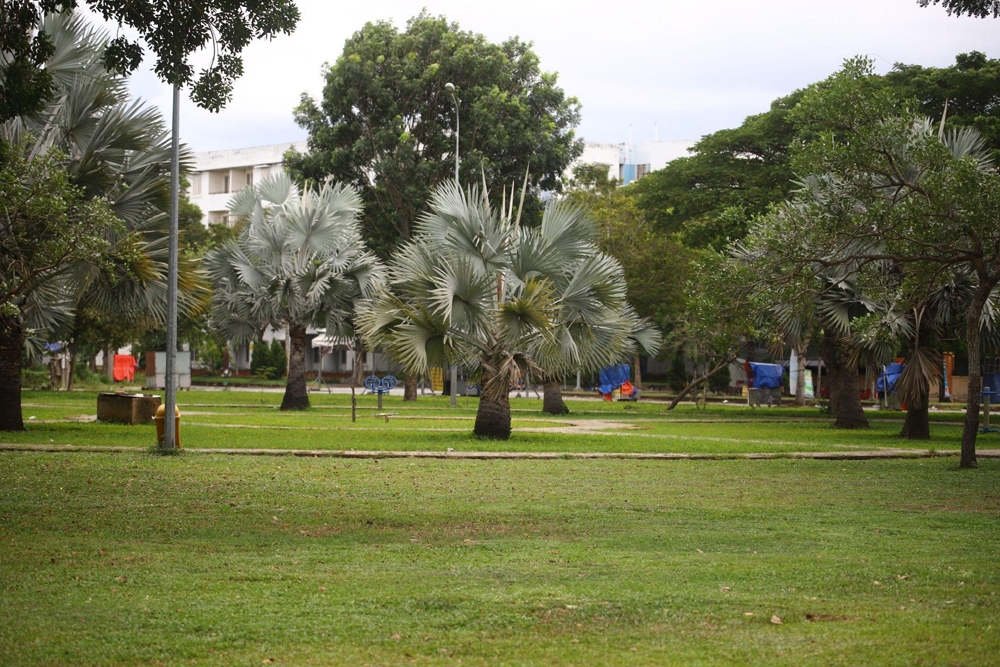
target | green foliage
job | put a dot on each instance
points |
(732, 175)
(35, 377)
(269, 361)
(474, 287)
(299, 261)
(655, 263)
(279, 359)
(260, 360)
(49, 225)
(386, 123)
(677, 375)
(971, 88)
(975, 8)
(173, 36)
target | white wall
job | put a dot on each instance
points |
(220, 174)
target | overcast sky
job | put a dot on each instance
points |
(690, 67)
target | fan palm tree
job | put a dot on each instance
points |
(114, 150)
(298, 262)
(475, 288)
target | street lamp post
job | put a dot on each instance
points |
(170, 373)
(450, 87)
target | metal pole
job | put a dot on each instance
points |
(170, 377)
(450, 87)
(986, 407)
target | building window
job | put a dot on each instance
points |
(225, 184)
(196, 185)
(641, 170)
(249, 178)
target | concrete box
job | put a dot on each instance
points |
(127, 408)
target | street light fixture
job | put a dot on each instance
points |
(450, 87)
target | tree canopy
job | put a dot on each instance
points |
(172, 31)
(386, 123)
(976, 8)
(732, 175)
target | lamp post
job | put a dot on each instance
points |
(170, 373)
(450, 87)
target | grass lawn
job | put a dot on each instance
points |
(206, 559)
(251, 420)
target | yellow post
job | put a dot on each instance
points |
(160, 412)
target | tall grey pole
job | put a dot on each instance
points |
(450, 87)
(170, 377)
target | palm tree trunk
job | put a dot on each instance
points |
(638, 373)
(552, 400)
(850, 413)
(917, 425)
(845, 399)
(11, 346)
(296, 396)
(409, 386)
(493, 416)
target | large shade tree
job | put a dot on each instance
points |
(386, 123)
(298, 263)
(173, 31)
(477, 288)
(890, 186)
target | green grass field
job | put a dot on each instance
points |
(251, 420)
(137, 559)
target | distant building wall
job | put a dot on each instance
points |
(630, 162)
(218, 175)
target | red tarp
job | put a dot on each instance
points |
(124, 367)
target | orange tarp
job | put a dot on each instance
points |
(124, 367)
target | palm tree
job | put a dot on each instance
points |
(117, 151)
(298, 262)
(476, 288)
(580, 345)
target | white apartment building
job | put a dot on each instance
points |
(629, 162)
(218, 175)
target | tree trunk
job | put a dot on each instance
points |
(409, 387)
(109, 363)
(72, 366)
(972, 315)
(296, 396)
(845, 399)
(849, 413)
(493, 416)
(694, 384)
(552, 401)
(833, 371)
(917, 425)
(800, 381)
(11, 347)
(638, 373)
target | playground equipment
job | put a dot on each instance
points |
(380, 386)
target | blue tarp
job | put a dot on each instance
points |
(766, 376)
(992, 380)
(889, 375)
(613, 377)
